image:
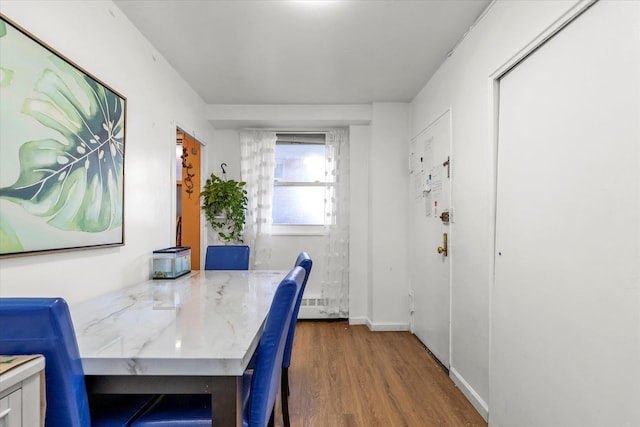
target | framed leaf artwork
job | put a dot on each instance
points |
(62, 140)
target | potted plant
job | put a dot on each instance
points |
(224, 202)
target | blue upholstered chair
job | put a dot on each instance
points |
(305, 262)
(261, 383)
(43, 326)
(232, 257)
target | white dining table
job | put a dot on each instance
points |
(193, 334)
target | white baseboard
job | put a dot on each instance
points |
(471, 395)
(307, 312)
(384, 327)
(358, 321)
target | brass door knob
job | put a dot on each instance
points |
(444, 249)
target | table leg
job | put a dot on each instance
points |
(226, 402)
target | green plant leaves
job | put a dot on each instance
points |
(75, 181)
(224, 204)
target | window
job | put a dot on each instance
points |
(299, 180)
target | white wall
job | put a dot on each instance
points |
(463, 84)
(285, 251)
(225, 149)
(100, 39)
(359, 285)
(389, 217)
(378, 278)
(290, 116)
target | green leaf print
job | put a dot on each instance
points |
(9, 241)
(74, 181)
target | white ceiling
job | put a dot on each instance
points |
(304, 52)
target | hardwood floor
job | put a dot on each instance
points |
(344, 375)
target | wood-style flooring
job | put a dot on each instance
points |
(344, 375)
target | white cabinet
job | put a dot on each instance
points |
(22, 391)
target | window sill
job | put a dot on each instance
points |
(297, 230)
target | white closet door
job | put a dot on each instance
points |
(566, 302)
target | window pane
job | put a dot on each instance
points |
(300, 162)
(298, 205)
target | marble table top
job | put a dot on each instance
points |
(204, 323)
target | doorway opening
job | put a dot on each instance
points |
(188, 159)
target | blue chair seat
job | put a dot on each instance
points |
(43, 326)
(231, 257)
(305, 262)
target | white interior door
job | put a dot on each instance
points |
(565, 344)
(432, 197)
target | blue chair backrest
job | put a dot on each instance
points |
(305, 262)
(266, 376)
(232, 257)
(43, 326)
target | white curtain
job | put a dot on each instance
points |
(335, 284)
(257, 163)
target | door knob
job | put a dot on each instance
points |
(444, 249)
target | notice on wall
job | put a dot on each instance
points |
(430, 149)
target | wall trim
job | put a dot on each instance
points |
(291, 117)
(471, 395)
(554, 28)
(359, 321)
(379, 326)
(386, 327)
